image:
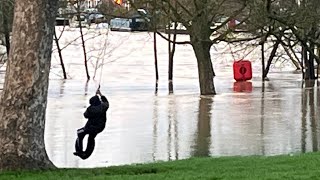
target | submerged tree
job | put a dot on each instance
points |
(24, 98)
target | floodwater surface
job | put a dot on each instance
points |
(279, 116)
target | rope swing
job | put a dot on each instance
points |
(100, 76)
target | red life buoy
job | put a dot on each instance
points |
(242, 70)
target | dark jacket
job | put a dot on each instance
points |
(96, 114)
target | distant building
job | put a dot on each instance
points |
(91, 3)
(94, 3)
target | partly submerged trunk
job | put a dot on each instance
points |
(205, 70)
(311, 62)
(200, 33)
(155, 50)
(172, 50)
(24, 98)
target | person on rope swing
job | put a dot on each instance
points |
(96, 114)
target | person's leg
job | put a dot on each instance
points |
(79, 142)
(90, 146)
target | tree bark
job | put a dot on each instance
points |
(24, 98)
(199, 36)
(205, 69)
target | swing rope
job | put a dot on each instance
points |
(100, 76)
(102, 64)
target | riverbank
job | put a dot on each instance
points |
(303, 166)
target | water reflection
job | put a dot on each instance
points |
(156, 88)
(172, 142)
(242, 86)
(262, 113)
(155, 129)
(310, 115)
(170, 87)
(86, 88)
(202, 135)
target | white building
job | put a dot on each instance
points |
(91, 3)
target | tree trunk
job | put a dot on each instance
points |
(155, 57)
(172, 51)
(306, 62)
(83, 41)
(170, 64)
(263, 61)
(272, 55)
(155, 46)
(311, 62)
(201, 45)
(56, 40)
(205, 69)
(24, 98)
(171, 56)
(200, 33)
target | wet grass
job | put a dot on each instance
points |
(306, 166)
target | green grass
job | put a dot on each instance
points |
(306, 166)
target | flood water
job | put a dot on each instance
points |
(280, 116)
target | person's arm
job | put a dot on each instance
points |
(87, 114)
(103, 99)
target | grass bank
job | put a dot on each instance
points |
(306, 166)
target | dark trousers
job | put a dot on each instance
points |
(79, 143)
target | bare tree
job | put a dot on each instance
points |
(24, 98)
(294, 25)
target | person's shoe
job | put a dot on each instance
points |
(80, 154)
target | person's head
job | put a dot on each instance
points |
(95, 101)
